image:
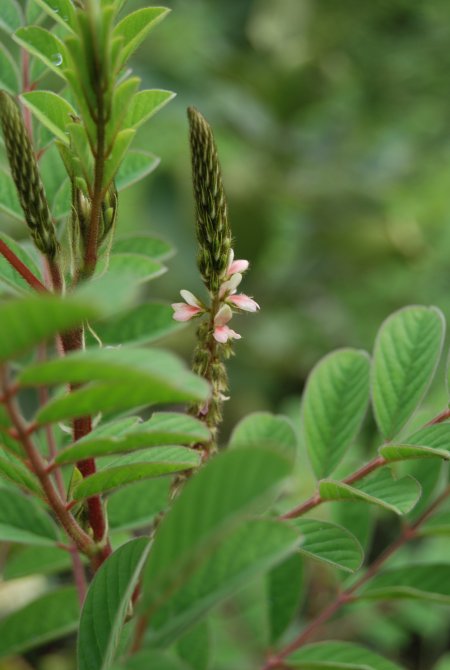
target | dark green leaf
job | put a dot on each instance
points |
(334, 404)
(138, 504)
(423, 581)
(284, 586)
(36, 561)
(15, 472)
(48, 618)
(9, 73)
(106, 605)
(406, 355)
(338, 656)
(194, 648)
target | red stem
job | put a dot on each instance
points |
(21, 268)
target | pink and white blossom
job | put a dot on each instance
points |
(222, 332)
(230, 285)
(244, 302)
(184, 311)
(235, 266)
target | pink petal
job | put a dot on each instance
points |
(184, 312)
(244, 302)
(190, 298)
(238, 266)
(223, 315)
(230, 285)
(223, 333)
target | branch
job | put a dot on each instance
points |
(350, 594)
(378, 462)
(21, 268)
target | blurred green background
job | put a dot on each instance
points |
(332, 120)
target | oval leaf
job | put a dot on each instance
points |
(22, 520)
(328, 543)
(51, 110)
(337, 656)
(406, 355)
(44, 45)
(334, 405)
(266, 430)
(134, 28)
(424, 582)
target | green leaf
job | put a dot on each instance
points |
(105, 608)
(154, 462)
(194, 648)
(140, 325)
(144, 105)
(17, 473)
(138, 504)
(141, 268)
(35, 319)
(328, 543)
(253, 548)
(129, 378)
(438, 524)
(134, 28)
(406, 355)
(112, 163)
(9, 202)
(135, 166)
(338, 656)
(145, 245)
(396, 495)
(51, 110)
(164, 428)
(424, 581)
(37, 561)
(28, 627)
(44, 45)
(9, 73)
(8, 274)
(23, 521)
(284, 586)
(62, 202)
(233, 483)
(151, 659)
(334, 404)
(429, 442)
(266, 430)
(11, 16)
(61, 11)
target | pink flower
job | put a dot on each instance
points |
(230, 285)
(222, 333)
(236, 266)
(244, 302)
(183, 311)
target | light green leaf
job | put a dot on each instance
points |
(429, 442)
(44, 45)
(9, 202)
(144, 105)
(134, 28)
(284, 593)
(35, 319)
(406, 452)
(424, 581)
(135, 166)
(9, 73)
(138, 504)
(406, 355)
(145, 245)
(24, 521)
(36, 561)
(51, 110)
(140, 325)
(328, 543)
(11, 16)
(338, 656)
(233, 483)
(28, 628)
(62, 202)
(334, 404)
(17, 473)
(151, 658)
(266, 430)
(141, 268)
(164, 428)
(114, 160)
(105, 608)
(396, 495)
(8, 274)
(194, 648)
(61, 11)
(253, 548)
(154, 462)
(130, 378)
